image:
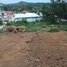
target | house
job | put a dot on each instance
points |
(8, 14)
(25, 11)
(30, 17)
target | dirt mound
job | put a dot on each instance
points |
(14, 29)
(10, 29)
(20, 28)
(33, 49)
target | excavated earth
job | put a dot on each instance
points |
(33, 49)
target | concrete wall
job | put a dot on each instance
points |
(29, 19)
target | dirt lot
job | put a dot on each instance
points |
(33, 49)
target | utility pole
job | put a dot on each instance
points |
(1, 15)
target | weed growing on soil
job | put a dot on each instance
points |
(37, 26)
(53, 30)
(64, 27)
(1, 30)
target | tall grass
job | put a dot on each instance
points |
(37, 26)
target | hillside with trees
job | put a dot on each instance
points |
(32, 7)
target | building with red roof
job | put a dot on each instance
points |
(25, 11)
(8, 12)
(7, 15)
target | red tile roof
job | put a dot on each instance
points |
(25, 11)
(5, 18)
(8, 12)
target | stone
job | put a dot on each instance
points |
(44, 26)
(66, 44)
(37, 60)
(51, 25)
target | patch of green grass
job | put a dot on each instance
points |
(1, 30)
(64, 23)
(18, 23)
(34, 26)
(54, 30)
(37, 26)
(64, 27)
(5, 20)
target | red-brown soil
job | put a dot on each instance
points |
(33, 49)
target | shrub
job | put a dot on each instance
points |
(64, 27)
(24, 21)
(18, 23)
(47, 23)
(37, 21)
(53, 30)
(52, 20)
(8, 24)
(64, 23)
(32, 29)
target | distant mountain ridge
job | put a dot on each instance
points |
(21, 2)
(27, 5)
(24, 3)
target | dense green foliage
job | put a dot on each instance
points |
(53, 30)
(20, 6)
(37, 26)
(18, 23)
(30, 26)
(55, 10)
(64, 27)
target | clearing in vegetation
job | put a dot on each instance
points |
(33, 49)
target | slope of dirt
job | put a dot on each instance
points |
(33, 49)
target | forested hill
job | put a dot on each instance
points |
(29, 3)
(33, 7)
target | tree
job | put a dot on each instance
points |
(43, 11)
(5, 8)
(58, 8)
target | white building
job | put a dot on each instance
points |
(30, 17)
(65, 0)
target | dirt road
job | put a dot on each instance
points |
(33, 49)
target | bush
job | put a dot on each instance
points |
(8, 24)
(32, 29)
(18, 23)
(53, 30)
(52, 20)
(24, 21)
(0, 22)
(47, 23)
(64, 23)
(64, 27)
(37, 21)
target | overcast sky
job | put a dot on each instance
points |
(15, 1)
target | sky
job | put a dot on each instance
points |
(15, 1)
